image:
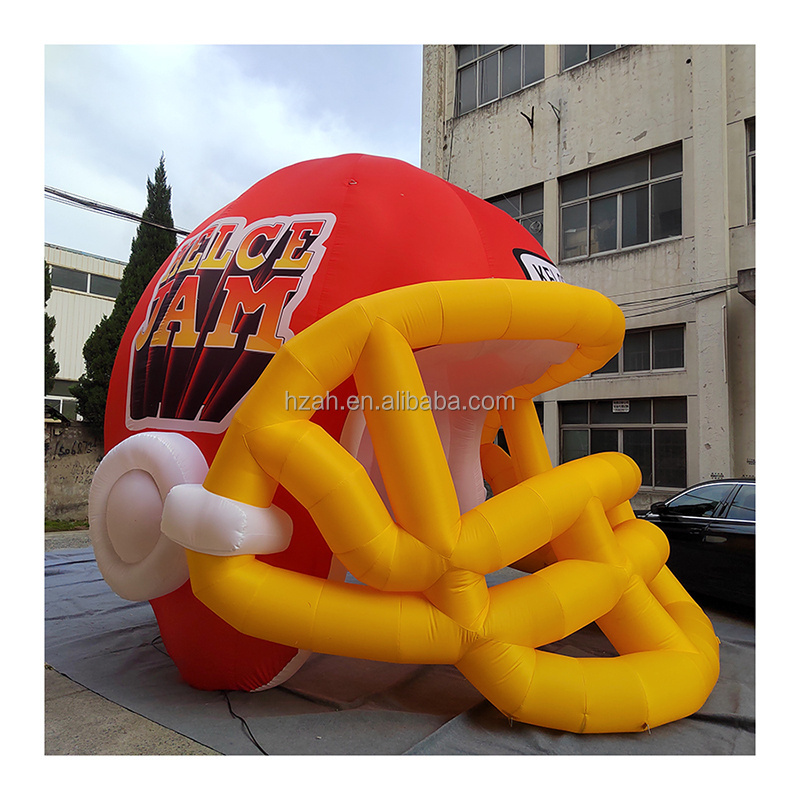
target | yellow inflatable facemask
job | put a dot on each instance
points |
(422, 559)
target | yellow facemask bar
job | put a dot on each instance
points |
(423, 596)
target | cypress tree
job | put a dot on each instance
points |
(154, 241)
(50, 363)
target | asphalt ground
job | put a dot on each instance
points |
(78, 721)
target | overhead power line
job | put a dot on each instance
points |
(102, 208)
(668, 302)
(695, 286)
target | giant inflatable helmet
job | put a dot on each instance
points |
(312, 385)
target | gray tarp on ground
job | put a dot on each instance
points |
(345, 706)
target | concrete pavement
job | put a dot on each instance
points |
(79, 722)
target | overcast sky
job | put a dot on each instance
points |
(224, 117)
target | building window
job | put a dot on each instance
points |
(487, 72)
(751, 169)
(62, 399)
(79, 281)
(66, 406)
(647, 350)
(652, 431)
(574, 54)
(69, 279)
(525, 206)
(623, 204)
(106, 287)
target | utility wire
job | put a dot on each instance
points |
(697, 285)
(690, 297)
(101, 208)
(704, 292)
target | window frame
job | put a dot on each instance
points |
(96, 281)
(528, 219)
(750, 156)
(731, 504)
(66, 406)
(480, 61)
(590, 199)
(620, 428)
(88, 280)
(720, 509)
(564, 67)
(619, 358)
(56, 270)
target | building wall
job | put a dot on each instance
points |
(71, 455)
(76, 318)
(631, 101)
(77, 313)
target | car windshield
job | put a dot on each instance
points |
(743, 506)
(701, 501)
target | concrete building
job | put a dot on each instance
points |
(84, 289)
(634, 166)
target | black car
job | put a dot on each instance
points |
(711, 529)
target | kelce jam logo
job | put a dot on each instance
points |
(221, 310)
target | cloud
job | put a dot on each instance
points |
(223, 116)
